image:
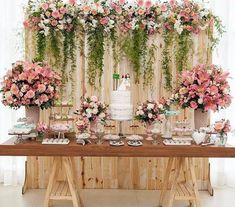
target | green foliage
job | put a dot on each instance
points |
(54, 47)
(135, 47)
(95, 42)
(183, 46)
(166, 59)
(41, 46)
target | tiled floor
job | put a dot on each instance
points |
(11, 197)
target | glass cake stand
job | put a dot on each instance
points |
(120, 126)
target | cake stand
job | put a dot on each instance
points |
(120, 126)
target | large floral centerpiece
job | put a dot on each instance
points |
(150, 112)
(93, 110)
(204, 88)
(30, 84)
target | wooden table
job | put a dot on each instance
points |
(181, 155)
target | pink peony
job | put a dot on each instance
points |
(41, 88)
(193, 105)
(43, 98)
(44, 6)
(140, 3)
(56, 14)
(104, 20)
(148, 4)
(14, 89)
(122, 2)
(30, 94)
(72, 2)
(62, 10)
(54, 22)
(118, 9)
(163, 8)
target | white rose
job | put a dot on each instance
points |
(88, 111)
(69, 20)
(61, 27)
(160, 106)
(150, 115)
(150, 106)
(95, 111)
(102, 115)
(141, 112)
(226, 91)
(94, 99)
(137, 113)
(46, 21)
(200, 101)
(176, 95)
(140, 107)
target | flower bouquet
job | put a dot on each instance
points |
(222, 127)
(150, 112)
(93, 110)
(204, 88)
(41, 130)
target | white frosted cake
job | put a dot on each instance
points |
(121, 108)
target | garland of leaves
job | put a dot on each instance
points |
(54, 47)
(95, 42)
(135, 47)
(166, 59)
(183, 45)
(41, 46)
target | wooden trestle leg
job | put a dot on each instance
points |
(62, 190)
(186, 190)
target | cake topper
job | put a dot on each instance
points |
(125, 85)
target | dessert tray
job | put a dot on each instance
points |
(116, 143)
(63, 141)
(176, 142)
(111, 137)
(135, 143)
(179, 138)
(83, 136)
(134, 137)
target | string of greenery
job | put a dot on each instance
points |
(95, 41)
(54, 47)
(41, 46)
(166, 59)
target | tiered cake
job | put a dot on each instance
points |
(121, 108)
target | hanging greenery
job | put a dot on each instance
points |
(166, 59)
(183, 46)
(54, 46)
(95, 41)
(41, 46)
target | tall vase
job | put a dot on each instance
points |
(201, 119)
(93, 126)
(149, 132)
(32, 113)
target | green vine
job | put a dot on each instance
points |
(148, 70)
(166, 59)
(135, 48)
(41, 46)
(95, 42)
(54, 46)
(183, 45)
(116, 58)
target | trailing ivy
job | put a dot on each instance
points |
(116, 56)
(166, 59)
(183, 45)
(40, 47)
(54, 46)
(148, 70)
(95, 41)
(135, 48)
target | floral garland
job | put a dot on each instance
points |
(134, 22)
(54, 21)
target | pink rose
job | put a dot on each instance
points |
(14, 89)
(56, 14)
(26, 23)
(94, 99)
(214, 90)
(54, 22)
(62, 10)
(44, 6)
(43, 98)
(72, 2)
(148, 4)
(104, 20)
(163, 8)
(30, 94)
(41, 88)
(193, 105)
(121, 2)
(140, 3)
(118, 9)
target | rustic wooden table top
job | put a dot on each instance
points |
(34, 148)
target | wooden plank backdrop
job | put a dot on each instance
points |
(114, 172)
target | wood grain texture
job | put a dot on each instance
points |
(119, 172)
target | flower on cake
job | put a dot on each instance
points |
(222, 127)
(30, 84)
(93, 109)
(204, 87)
(150, 111)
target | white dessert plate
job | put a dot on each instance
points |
(116, 143)
(83, 136)
(134, 137)
(135, 143)
(111, 137)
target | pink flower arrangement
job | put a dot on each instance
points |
(150, 111)
(93, 110)
(222, 127)
(41, 128)
(82, 123)
(54, 14)
(30, 84)
(205, 88)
